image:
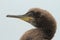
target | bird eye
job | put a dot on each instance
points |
(31, 13)
(34, 14)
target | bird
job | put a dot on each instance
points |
(42, 20)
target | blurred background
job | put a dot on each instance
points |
(12, 28)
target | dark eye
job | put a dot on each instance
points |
(34, 14)
(31, 13)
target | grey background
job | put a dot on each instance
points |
(13, 29)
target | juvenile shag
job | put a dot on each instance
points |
(43, 21)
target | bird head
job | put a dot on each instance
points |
(31, 16)
(34, 16)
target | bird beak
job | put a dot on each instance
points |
(23, 17)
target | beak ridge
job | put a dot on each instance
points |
(13, 16)
(23, 17)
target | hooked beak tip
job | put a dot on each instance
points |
(7, 16)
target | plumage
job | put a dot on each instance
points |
(43, 21)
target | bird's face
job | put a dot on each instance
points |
(30, 17)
